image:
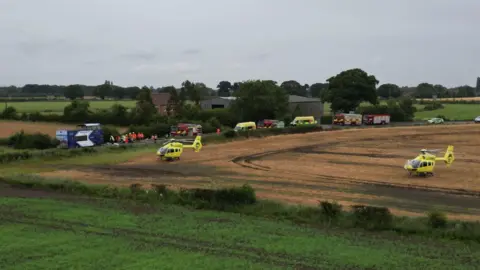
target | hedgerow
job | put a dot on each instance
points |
(243, 200)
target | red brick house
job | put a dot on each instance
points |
(161, 101)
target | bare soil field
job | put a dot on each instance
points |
(8, 128)
(363, 166)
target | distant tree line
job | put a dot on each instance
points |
(255, 100)
(227, 88)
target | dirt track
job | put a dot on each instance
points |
(349, 166)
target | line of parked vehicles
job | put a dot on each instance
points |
(270, 123)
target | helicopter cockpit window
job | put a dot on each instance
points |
(415, 164)
(171, 150)
(162, 150)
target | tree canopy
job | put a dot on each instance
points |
(349, 88)
(259, 99)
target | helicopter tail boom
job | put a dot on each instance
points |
(197, 144)
(448, 158)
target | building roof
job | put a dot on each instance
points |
(291, 99)
(298, 99)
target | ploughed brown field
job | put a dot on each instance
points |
(8, 128)
(355, 166)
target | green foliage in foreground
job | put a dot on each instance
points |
(57, 153)
(243, 200)
(105, 234)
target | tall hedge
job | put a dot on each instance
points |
(21, 140)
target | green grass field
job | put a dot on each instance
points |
(37, 165)
(58, 106)
(452, 112)
(85, 234)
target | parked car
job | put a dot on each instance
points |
(436, 121)
(477, 120)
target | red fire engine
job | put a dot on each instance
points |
(376, 119)
(186, 129)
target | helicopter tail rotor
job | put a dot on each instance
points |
(448, 158)
(196, 145)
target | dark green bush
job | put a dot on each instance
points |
(443, 117)
(218, 198)
(160, 189)
(4, 141)
(9, 113)
(330, 210)
(109, 131)
(437, 220)
(21, 140)
(326, 120)
(230, 134)
(433, 106)
(236, 195)
(372, 217)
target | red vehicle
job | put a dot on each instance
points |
(269, 123)
(348, 119)
(376, 119)
(185, 129)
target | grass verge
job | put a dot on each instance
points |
(242, 200)
(102, 234)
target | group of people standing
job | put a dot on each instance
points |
(131, 137)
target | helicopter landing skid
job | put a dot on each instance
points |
(421, 174)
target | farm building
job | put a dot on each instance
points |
(301, 105)
(161, 101)
(306, 106)
(216, 103)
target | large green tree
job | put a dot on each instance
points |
(465, 91)
(144, 110)
(224, 88)
(257, 100)
(294, 88)
(74, 91)
(349, 88)
(174, 105)
(317, 89)
(103, 90)
(425, 90)
(477, 87)
(389, 90)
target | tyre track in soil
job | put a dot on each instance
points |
(461, 197)
(143, 238)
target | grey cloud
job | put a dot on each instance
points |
(192, 51)
(260, 56)
(164, 42)
(146, 56)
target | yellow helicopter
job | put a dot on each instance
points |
(424, 164)
(173, 149)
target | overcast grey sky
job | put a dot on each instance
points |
(159, 42)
